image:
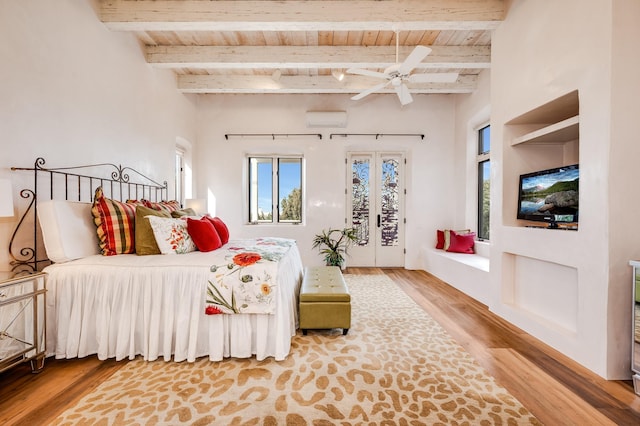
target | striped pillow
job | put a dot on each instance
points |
(115, 223)
(168, 206)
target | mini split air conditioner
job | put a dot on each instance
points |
(326, 118)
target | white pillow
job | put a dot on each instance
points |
(171, 235)
(68, 230)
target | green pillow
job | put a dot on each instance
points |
(184, 212)
(145, 241)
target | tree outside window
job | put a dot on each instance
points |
(275, 189)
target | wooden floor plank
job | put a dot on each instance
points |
(553, 387)
(483, 334)
(523, 376)
(38, 398)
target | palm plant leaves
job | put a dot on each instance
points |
(333, 244)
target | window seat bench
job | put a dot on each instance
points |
(468, 273)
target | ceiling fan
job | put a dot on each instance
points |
(398, 74)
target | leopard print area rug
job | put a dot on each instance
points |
(396, 366)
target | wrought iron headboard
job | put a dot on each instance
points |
(69, 183)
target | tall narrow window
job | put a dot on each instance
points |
(275, 189)
(484, 182)
(179, 176)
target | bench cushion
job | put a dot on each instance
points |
(325, 302)
(324, 284)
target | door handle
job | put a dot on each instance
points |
(378, 221)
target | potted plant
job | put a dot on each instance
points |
(333, 244)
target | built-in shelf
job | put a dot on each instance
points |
(559, 109)
(560, 132)
(545, 137)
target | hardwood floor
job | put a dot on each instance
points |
(555, 389)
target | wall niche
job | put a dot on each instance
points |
(543, 138)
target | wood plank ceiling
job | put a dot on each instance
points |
(265, 46)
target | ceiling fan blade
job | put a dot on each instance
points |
(366, 73)
(370, 91)
(414, 59)
(439, 77)
(403, 94)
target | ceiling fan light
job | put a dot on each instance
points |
(337, 74)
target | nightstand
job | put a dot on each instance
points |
(22, 320)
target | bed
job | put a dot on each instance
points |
(237, 300)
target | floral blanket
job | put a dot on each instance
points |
(246, 282)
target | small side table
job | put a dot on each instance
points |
(22, 320)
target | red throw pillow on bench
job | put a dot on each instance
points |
(443, 240)
(440, 239)
(461, 243)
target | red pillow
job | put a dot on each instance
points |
(461, 243)
(221, 227)
(439, 239)
(203, 234)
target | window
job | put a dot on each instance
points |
(179, 176)
(484, 181)
(275, 189)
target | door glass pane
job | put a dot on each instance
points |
(289, 189)
(360, 200)
(389, 203)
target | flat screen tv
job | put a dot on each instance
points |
(550, 195)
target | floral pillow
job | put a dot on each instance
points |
(171, 235)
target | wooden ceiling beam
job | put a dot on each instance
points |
(305, 84)
(253, 57)
(330, 15)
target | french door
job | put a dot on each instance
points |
(375, 208)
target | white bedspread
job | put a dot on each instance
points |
(127, 305)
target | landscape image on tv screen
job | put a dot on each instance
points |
(550, 195)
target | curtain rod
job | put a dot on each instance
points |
(377, 135)
(271, 135)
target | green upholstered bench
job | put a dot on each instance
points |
(325, 301)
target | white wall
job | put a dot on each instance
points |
(624, 234)
(473, 111)
(430, 162)
(73, 92)
(543, 50)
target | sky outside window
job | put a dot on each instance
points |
(265, 186)
(288, 175)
